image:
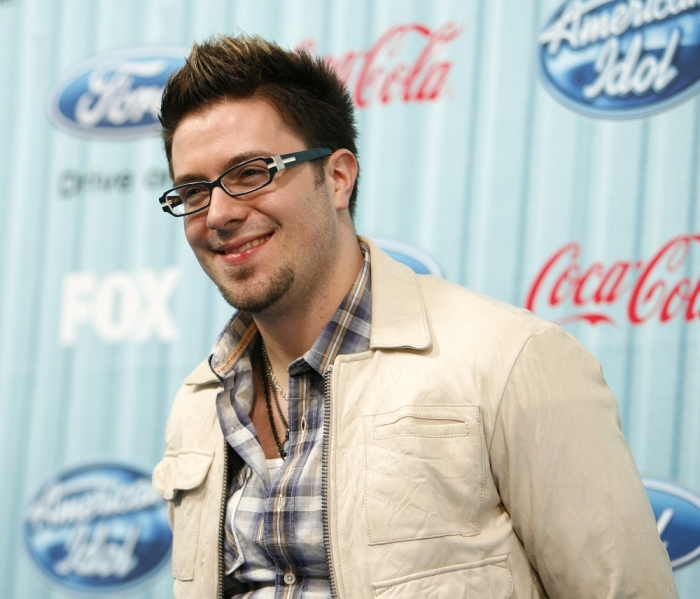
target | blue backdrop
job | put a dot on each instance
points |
(543, 153)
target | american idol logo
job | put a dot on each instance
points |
(114, 95)
(415, 259)
(98, 528)
(621, 58)
(677, 512)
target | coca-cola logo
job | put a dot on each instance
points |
(115, 95)
(406, 64)
(661, 288)
(621, 58)
(98, 528)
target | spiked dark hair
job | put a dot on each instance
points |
(307, 93)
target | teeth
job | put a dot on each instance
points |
(251, 244)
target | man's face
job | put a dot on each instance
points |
(272, 247)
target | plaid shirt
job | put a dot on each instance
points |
(274, 525)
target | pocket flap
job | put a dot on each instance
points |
(422, 421)
(181, 471)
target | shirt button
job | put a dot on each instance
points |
(289, 578)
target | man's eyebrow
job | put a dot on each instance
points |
(231, 162)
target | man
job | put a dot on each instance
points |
(360, 431)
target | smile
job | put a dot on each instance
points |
(248, 245)
(234, 253)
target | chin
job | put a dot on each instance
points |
(274, 289)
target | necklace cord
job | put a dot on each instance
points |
(271, 375)
(270, 390)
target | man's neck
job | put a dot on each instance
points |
(290, 332)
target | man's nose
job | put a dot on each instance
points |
(224, 209)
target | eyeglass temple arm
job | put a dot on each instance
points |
(299, 157)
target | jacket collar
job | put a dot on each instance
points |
(398, 313)
(202, 375)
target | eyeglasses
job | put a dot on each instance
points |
(239, 180)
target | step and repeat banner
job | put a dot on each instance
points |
(543, 152)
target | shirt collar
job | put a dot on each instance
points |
(347, 332)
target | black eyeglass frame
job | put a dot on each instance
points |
(274, 165)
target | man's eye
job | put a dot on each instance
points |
(246, 177)
(194, 194)
(192, 191)
(252, 172)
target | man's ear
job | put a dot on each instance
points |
(341, 174)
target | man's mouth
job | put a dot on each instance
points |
(235, 250)
(249, 244)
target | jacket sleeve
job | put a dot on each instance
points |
(566, 476)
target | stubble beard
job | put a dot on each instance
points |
(275, 288)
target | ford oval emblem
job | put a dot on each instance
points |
(621, 58)
(677, 512)
(98, 528)
(115, 95)
(415, 259)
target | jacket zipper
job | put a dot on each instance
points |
(222, 518)
(324, 479)
(324, 494)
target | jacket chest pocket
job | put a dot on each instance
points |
(179, 477)
(424, 472)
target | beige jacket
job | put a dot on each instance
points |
(475, 451)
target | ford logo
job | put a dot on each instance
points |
(621, 58)
(115, 95)
(415, 259)
(98, 528)
(677, 512)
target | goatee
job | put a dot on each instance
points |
(278, 285)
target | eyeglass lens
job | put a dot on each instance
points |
(241, 179)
